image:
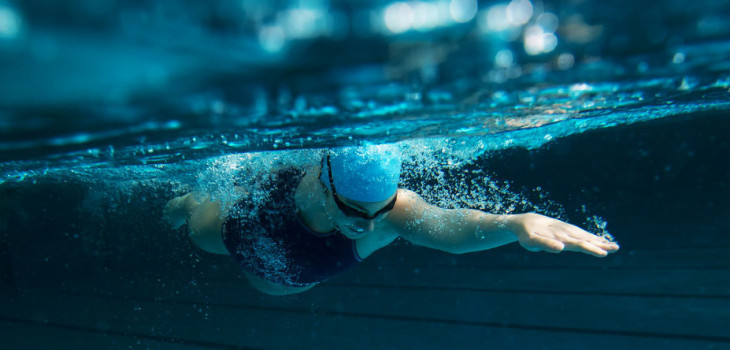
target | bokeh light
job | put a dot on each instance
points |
(548, 21)
(504, 58)
(537, 41)
(678, 58)
(11, 23)
(272, 38)
(304, 23)
(565, 61)
(399, 17)
(519, 12)
(496, 19)
(429, 15)
(463, 11)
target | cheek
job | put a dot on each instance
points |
(343, 220)
(359, 223)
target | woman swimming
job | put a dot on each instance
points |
(318, 223)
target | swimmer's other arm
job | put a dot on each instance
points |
(466, 230)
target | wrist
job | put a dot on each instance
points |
(512, 223)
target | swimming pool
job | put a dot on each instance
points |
(609, 116)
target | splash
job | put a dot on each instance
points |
(444, 173)
(227, 179)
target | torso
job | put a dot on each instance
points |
(271, 241)
(312, 212)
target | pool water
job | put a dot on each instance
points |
(611, 116)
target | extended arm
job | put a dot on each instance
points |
(466, 230)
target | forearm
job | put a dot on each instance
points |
(460, 231)
(452, 230)
(481, 231)
(474, 230)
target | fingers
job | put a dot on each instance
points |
(610, 247)
(558, 239)
(586, 247)
(580, 235)
(539, 242)
(552, 235)
(576, 245)
(577, 232)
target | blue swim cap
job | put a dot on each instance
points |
(365, 174)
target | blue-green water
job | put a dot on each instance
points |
(610, 115)
(102, 86)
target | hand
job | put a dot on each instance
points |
(537, 232)
(177, 210)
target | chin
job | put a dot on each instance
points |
(352, 234)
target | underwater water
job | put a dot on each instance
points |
(608, 115)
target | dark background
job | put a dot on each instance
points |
(661, 185)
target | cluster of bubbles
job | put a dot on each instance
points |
(449, 178)
(227, 179)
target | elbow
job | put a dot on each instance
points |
(460, 244)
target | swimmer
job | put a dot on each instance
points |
(320, 222)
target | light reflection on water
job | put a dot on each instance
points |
(153, 84)
(489, 120)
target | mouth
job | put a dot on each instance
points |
(354, 232)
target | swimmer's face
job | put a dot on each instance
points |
(355, 226)
(354, 218)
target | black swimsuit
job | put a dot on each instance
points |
(270, 241)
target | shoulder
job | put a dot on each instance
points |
(408, 206)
